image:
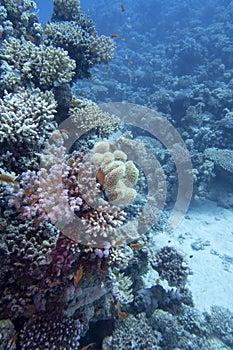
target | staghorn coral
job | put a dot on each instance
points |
(51, 334)
(115, 174)
(88, 116)
(36, 66)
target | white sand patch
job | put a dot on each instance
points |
(205, 237)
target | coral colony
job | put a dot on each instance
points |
(77, 289)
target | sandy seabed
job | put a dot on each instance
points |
(205, 238)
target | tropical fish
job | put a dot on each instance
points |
(5, 178)
(78, 275)
(53, 284)
(114, 35)
(30, 37)
(122, 6)
(122, 314)
(136, 246)
(87, 346)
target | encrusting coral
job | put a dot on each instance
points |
(115, 173)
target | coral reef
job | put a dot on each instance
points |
(142, 337)
(26, 122)
(171, 266)
(35, 66)
(55, 333)
(17, 19)
(66, 269)
(222, 158)
(72, 30)
(220, 324)
(88, 116)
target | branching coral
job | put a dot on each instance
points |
(19, 18)
(26, 121)
(82, 44)
(88, 116)
(63, 188)
(41, 66)
(25, 116)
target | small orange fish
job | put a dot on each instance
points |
(117, 306)
(30, 37)
(87, 346)
(64, 131)
(48, 31)
(122, 6)
(122, 314)
(78, 275)
(56, 136)
(98, 312)
(54, 283)
(136, 246)
(100, 176)
(13, 341)
(92, 78)
(119, 242)
(7, 179)
(114, 35)
(74, 103)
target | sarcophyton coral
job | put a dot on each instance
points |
(115, 173)
(89, 116)
(36, 66)
(221, 157)
(26, 120)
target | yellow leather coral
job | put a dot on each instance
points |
(116, 175)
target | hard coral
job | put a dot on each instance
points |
(51, 334)
(37, 66)
(88, 116)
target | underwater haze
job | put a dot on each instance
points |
(116, 175)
